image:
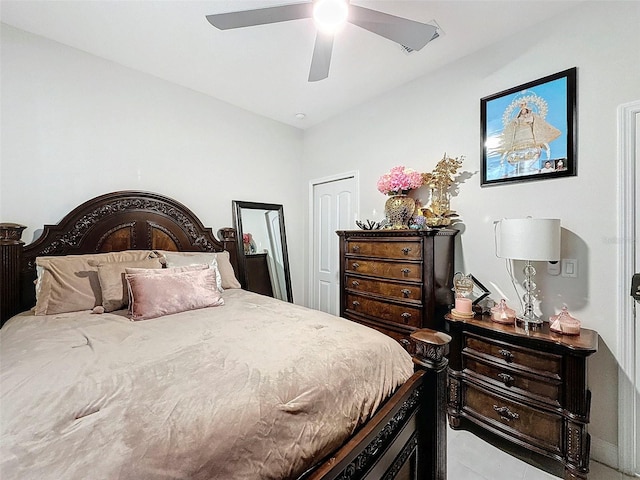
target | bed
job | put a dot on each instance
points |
(247, 387)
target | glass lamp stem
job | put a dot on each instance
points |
(528, 317)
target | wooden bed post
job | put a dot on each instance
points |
(10, 264)
(430, 356)
(229, 239)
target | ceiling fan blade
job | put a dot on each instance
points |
(321, 57)
(261, 16)
(409, 33)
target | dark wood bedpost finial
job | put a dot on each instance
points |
(10, 259)
(228, 237)
(431, 349)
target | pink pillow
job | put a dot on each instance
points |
(197, 266)
(165, 271)
(153, 295)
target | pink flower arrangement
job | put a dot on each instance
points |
(399, 180)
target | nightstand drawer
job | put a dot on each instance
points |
(401, 314)
(539, 388)
(518, 357)
(390, 270)
(520, 421)
(402, 291)
(395, 250)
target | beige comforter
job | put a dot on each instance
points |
(254, 389)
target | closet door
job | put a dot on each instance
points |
(334, 207)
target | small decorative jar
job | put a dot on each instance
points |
(501, 313)
(463, 286)
(463, 306)
(564, 323)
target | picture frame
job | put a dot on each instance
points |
(479, 291)
(528, 132)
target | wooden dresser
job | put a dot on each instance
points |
(527, 387)
(397, 281)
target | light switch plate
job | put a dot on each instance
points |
(570, 267)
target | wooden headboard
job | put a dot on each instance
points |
(125, 220)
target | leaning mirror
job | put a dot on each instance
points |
(262, 249)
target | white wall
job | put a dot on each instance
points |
(76, 126)
(416, 124)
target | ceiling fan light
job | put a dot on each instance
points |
(330, 15)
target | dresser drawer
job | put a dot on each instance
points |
(385, 249)
(401, 314)
(518, 357)
(528, 424)
(399, 290)
(537, 387)
(390, 270)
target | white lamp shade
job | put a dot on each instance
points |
(528, 239)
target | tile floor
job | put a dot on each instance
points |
(471, 458)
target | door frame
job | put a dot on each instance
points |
(627, 118)
(310, 242)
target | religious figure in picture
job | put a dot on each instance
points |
(526, 134)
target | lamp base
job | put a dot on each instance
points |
(531, 321)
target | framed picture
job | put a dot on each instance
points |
(529, 132)
(479, 291)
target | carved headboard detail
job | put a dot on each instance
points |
(125, 220)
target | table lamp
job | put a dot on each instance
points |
(528, 239)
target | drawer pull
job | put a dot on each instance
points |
(355, 265)
(506, 378)
(355, 303)
(355, 283)
(355, 248)
(405, 292)
(406, 250)
(505, 413)
(406, 271)
(405, 317)
(508, 356)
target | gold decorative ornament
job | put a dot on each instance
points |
(439, 181)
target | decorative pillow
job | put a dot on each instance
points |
(164, 271)
(113, 284)
(228, 277)
(186, 268)
(152, 295)
(70, 283)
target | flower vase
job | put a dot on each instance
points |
(399, 210)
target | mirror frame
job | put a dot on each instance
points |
(238, 206)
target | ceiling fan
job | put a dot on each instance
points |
(329, 16)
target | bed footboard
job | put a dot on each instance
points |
(407, 438)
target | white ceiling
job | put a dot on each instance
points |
(264, 68)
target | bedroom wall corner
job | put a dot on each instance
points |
(415, 124)
(76, 126)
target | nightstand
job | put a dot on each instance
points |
(527, 387)
(258, 278)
